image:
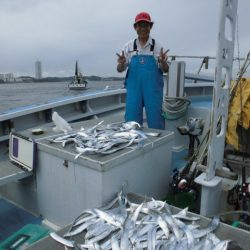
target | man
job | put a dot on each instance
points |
(146, 61)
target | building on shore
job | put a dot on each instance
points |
(8, 77)
(38, 69)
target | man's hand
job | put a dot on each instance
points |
(121, 60)
(163, 58)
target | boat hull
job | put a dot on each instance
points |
(78, 86)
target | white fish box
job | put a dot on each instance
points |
(66, 186)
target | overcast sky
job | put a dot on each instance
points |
(58, 32)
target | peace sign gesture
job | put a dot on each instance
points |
(121, 58)
(162, 59)
(163, 56)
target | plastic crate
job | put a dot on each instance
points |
(24, 237)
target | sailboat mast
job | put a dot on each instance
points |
(76, 70)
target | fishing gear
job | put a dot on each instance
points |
(183, 181)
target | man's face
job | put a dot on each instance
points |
(143, 29)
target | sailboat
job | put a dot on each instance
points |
(78, 82)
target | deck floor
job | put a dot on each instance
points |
(13, 218)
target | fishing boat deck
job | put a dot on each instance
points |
(13, 218)
(10, 172)
(58, 104)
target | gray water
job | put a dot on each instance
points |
(14, 95)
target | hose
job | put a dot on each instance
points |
(174, 107)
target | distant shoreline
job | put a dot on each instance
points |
(29, 79)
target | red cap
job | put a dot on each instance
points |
(143, 16)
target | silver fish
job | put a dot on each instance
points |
(198, 233)
(85, 219)
(102, 235)
(154, 134)
(163, 225)
(131, 125)
(67, 243)
(122, 224)
(152, 238)
(221, 245)
(62, 138)
(115, 243)
(84, 151)
(183, 215)
(105, 216)
(81, 228)
(187, 231)
(173, 226)
(89, 246)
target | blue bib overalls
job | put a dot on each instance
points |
(144, 84)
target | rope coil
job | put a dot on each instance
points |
(174, 107)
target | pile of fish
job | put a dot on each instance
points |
(105, 139)
(124, 225)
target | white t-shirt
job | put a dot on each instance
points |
(129, 49)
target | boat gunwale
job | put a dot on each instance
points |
(13, 113)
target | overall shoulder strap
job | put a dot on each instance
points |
(135, 46)
(152, 45)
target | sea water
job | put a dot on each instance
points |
(14, 95)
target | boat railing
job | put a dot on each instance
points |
(204, 64)
(72, 108)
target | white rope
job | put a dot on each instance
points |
(174, 107)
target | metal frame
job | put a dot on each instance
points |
(211, 184)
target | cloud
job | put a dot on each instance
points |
(58, 32)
